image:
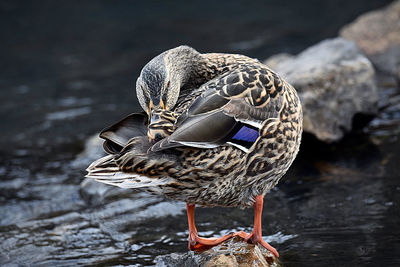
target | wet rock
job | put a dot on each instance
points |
(387, 122)
(175, 259)
(233, 252)
(335, 81)
(377, 33)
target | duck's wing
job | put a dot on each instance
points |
(231, 110)
(117, 135)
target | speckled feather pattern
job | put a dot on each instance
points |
(224, 175)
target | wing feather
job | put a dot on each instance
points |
(117, 135)
(246, 96)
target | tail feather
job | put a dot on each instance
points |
(105, 170)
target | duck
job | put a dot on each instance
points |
(216, 129)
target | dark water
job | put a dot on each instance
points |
(68, 69)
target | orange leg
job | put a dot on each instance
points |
(200, 243)
(255, 237)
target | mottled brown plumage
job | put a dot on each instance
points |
(219, 130)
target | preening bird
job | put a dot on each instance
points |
(217, 130)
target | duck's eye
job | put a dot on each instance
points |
(168, 84)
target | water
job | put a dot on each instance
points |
(68, 70)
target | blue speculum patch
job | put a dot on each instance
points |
(246, 134)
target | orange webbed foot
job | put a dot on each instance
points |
(255, 239)
(197, 243)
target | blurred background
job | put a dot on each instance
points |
(68, 69)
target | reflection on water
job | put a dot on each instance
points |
(68, 73)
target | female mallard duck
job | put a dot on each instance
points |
(218, 130)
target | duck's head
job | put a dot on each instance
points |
(159, 83)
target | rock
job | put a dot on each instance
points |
(275, 60)
(221, 260)
(335, 81)
(233, 252)
(188, 259)
(377, 33)
(93, 150)
(387, 123)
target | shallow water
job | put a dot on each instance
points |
(68, 70)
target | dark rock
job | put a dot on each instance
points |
(335, 81)
(387, 123)
(377, 33)
(175, 259)
(233, 252)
